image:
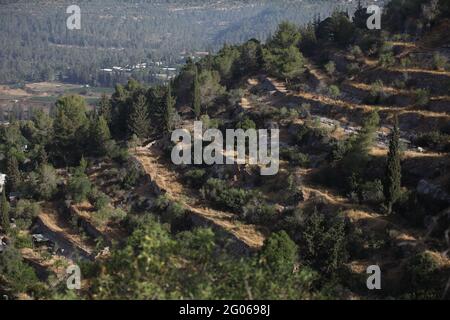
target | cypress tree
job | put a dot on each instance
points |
(392, 183)
(196, 100)
(12, 173)
(169, 111)
(139, 123)
(4, 213)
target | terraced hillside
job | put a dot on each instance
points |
(363, 179)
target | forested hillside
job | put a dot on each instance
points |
(363, 180)
(36, 45)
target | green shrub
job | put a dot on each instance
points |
(174, 212)
(19, 276)
(292, 194)
(330, 68)
(130, 176)
(234, 96)
(226, 197)
(372, 192)
(78, 188)
(377, 94)
(422, 97)
(24, 213)
(433, 140)
(309, 131)
(340, 149)
(387, 60)
(108, 214)
(101, 200)
(44, 182)
(134, 142)
(356, 51)
(284, 113)
(23, 241)
(405, 63)
(257, 212)
(423, 277)
(120, 155)
(398, 83)
(209, 123)
(353, 69)
(195, 177)
(334, 91)
(439, 61)
(171, 212)
(294, 156)
(305, 110)
(246, 124)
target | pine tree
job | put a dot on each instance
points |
(368, 131)
(105, 108)
(12, 173)
(196, 99)
(169, 112)
(4, 213)
(392, 183)
(100, 134)
(357, 156)
(280, 253)
(139, 123)
(70, 126)
(323, 243)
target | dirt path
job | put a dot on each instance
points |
(57, 229)
(318, 73)
(417, 70)
(168, 181)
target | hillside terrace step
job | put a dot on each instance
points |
(411, 118)
(437, 82)
(247, 238)
(67, 247)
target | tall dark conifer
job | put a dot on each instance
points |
(139, 122)
(12, 173)
(392, 183)
(169, 112)
(4, 212)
